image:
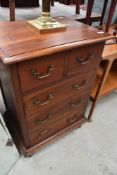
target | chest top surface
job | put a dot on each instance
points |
(20, 41)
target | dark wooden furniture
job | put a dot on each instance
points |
(47, 79)
(111, 12)
(80, 14)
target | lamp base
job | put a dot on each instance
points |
(47, 23)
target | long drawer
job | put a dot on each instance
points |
(42, 100)
(84, 59)
(47, 117)
(50, 130)
(41, 72)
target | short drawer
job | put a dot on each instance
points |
(41, 72)
(47, 117)
(51, 130)
(84, 59)
(42, 100)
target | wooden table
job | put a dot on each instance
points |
(47, 79)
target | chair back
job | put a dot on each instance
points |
(110, 14)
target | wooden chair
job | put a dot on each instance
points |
(89, 11)
(107, 74)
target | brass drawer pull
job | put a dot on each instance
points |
(43, 132)
(39, 76)
(72, 120)
(80, 85)
(83, 62)
(38, 101)
(45, 120)
(77, 105)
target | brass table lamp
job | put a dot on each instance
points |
(46, 22)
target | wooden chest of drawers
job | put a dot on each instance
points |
(47, 79)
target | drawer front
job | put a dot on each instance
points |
(84, 59)
(41, 72)
(44, 118)
(42, 100)
(50, 130)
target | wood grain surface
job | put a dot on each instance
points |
(19, 38)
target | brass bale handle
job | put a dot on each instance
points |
(83, 62)
(77, 105)
(38, 74)
(38, 101)
(71, 121)
(80, 85)
(39, 121)
(42, 133)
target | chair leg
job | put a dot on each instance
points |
(77, 6)
(89, 11)
(52, 2)
(12, 10)
(112, 8)
(103, 12)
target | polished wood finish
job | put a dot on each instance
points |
(57, 126)
(82, 61)
(40, 73)
(43, 102)
(32, 41)
(72, 87)
(46, 117)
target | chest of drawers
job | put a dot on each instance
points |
(47, 79)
